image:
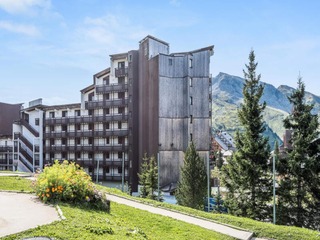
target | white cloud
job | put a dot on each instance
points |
(23, 6)
(175, 3)
(28, 30)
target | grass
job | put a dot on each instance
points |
(12, 183)
(260, 229)
(123, 222)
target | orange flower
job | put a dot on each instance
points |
(48, 195)
(47, 190)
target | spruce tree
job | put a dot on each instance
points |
(299, 196)
(247, 175)
(192, 187)
(148, 177)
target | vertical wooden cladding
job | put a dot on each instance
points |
(10, 113)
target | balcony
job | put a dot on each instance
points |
(87, 133)
(111, 88)
(86, 119)
(121, 72)
(106, 104)
(86, 148)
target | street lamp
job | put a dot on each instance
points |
(274, 186)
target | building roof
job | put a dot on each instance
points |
(87, 88)
(154, 38)
(63, 106)
(118, 56)
(101, 73)
(210, 48)
(9, 114)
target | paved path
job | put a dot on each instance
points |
(182, 217)
(19, 212)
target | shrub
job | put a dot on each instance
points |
(68, 182)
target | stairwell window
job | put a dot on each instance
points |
(190, 82)
(36, 121)
(191, 137)
(64, 113)
(190, 62)
(170, 61)
(191, 118)
(191, 101)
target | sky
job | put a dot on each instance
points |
(51, 49)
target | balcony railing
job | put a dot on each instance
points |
(111, 88)
(106, 104)
(74, 148)
(88, 133)
(29, 127)
(121, 72)
(86, 119)
(4, 149)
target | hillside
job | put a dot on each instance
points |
(227, 97)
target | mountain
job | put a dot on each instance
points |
(227, 97)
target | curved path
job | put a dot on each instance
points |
(182, 217)
(20, 211)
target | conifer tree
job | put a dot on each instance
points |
(247, 175)
(299, 196)
(192, 187)
(148, 177)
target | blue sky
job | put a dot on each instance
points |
(51, 48)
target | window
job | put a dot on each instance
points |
(90, 140)
(51, 114)
(78, 155)
(191, 118)
(91, 96)
(77, 113)
(36, 121)
(130, 58)
(107, 140)
(64, 113)
(121, 95)
(51, 128)
(106, 155)
(90, 126)
(106, 80)
(119, 125)
(191, 101)
(90, 155)
(63, 141)
(78, 141)
(190, 137)
(51, 155)
(107, 125)
(121, 65)
(64, 128)
(190, 82)
(78, 127)
(120, 170)
(106, 96)
(106, 111)
(120, 140)
(90, 112)
(119, 155)
(64, 155)
(107, 169)
(210, 114)
(120, 110)
(52, 141)
(190, 62)
(170, 61)
(121, 80)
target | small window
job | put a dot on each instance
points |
(106, 80)
(78, 127)
(107, 140)
(120, 155)
(107, 155)
(120, 170)
(190, 62)
(120, 110)
(190, 82)
(191, 118)
(191, 101)
(78, 155)
(107, 125)
(64, 113)
(107, 169)
(119, 125)
(170, 61)
(52, 141)
(90, 155)
(106, 96)
(64, 128)
(121, 65)
(130, 58)
(64, 155)
(106, 111)
(90, 112)
(121, 95)
(90, 126)
(191, 137)
(36, 121)
(51, 128)
(51, 114)
(210, 114)
(121, 80)
(63, 141)
(78, 141)
(52, 155)
(90, 140)
(120, 140)
(77, 113)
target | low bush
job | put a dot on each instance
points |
(68, 182)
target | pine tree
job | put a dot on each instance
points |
(192, 186)
(299, 196)
(148, 177)
(247, 175)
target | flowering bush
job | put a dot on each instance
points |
(68, 182)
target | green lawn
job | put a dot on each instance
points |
(260, 229)
(122, 223)
(15, 184)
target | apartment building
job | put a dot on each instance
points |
(8, 114)
(147, 101)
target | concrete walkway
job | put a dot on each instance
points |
(20, 211)
(182, 217)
